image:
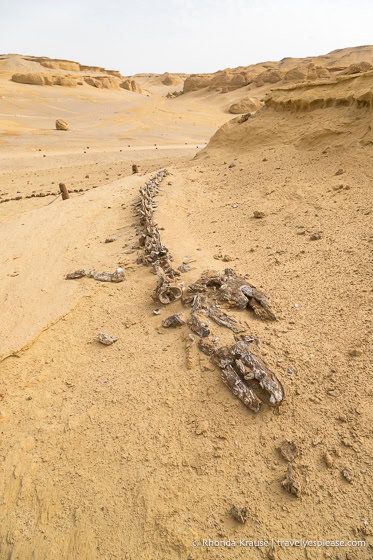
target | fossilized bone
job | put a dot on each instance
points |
(155, 253)
(247, 376)
(234, 290)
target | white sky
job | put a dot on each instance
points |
(181, 35)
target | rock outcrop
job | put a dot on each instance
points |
(131, 85)
(169, 80)
(38, 79)
(269, 76)
(195, 82)
(61, 125)
(245, 105)
(229, 81)
(102, 82)
(358, 68)
(306, 72)
(61, 65)
(34, 79)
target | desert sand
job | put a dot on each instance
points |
(137, 449)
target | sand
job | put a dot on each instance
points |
(130, 451)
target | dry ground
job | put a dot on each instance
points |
(122, 452)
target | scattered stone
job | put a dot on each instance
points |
(258, 214)
(288, 450)
(271, 554)
(61, 125)
(315, 236)
(139, 260)
(202, 427)
(333, 392)
(184, 267)
(156, 311)
(291, 483)
(231, 165)
(347, 475)
(355, 353)
(110, 239)
(328, 459)
(240, 514)
(175, 320)
(106, 339)
(339, 172)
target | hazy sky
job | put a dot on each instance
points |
(181, 35)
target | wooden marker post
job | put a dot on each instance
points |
(64, 191)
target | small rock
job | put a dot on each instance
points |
(184, 267)
(355, 353)
(328, 459)
(240, 514)
(106, 339)
(339, 172)
(315, 236)
(139, 260)
(288, 450)
(347, 475)
(173, 321)
(258, 214)
(291, 482)
(110, 239)
(202, 427)
(156, 311)
(231, 165)
(61, 125)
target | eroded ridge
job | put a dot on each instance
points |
(155, 253)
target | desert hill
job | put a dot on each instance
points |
(138, 449)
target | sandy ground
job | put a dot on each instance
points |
(123, 452)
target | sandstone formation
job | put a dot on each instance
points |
(38, 79)
(34, 79)
(103, 82)
(61, 125)
(245, 105)
(306, 72)
(358, 68)
(269, 76)
(229, 81)
(131, 85)
(61, 65)
(195, 82)
(169, 80)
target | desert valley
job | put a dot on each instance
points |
(185, 349)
